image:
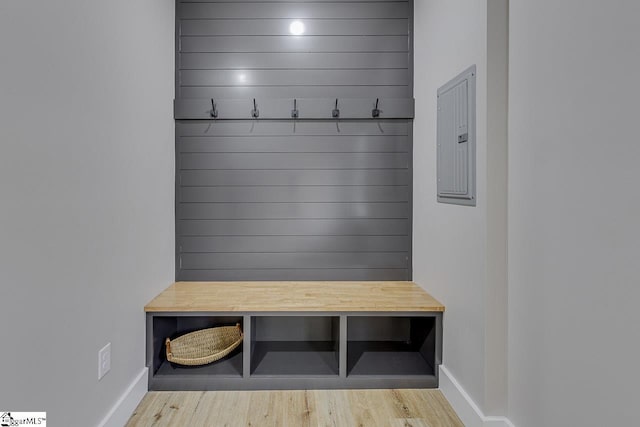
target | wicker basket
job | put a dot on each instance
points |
(204, 346)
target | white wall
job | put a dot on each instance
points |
(574, 212)
(459, 253)
(86, 197)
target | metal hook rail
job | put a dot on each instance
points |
(303, 109)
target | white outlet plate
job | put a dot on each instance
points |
(104, 361)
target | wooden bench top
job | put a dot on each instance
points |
(293, 296)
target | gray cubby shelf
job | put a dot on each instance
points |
(391, 346)
(230, 366)
(287, 350)
(172, 326)
(304, 345)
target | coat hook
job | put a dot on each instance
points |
(294, 112)
(255, 113)
(335, 113)
(214, 112)
(375, 112)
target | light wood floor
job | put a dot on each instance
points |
(339, 408)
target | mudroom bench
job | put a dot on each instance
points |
(300, 335)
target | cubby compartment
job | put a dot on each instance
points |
(175, 326)
(393, 346)
(294, 346)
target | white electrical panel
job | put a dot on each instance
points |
(457, 140)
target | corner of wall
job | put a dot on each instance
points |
(495, 299)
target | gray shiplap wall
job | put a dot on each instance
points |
(278, 200)
(244, 49)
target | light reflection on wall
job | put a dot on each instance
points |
(296, 28)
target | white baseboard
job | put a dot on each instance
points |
(127, 403)
(468, 411)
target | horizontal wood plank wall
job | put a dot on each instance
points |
(349, 49)
(258, 200)
(278, 200)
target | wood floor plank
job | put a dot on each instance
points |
(173, 408)
(222, 408)
(409, 422)
(366, 408)
(431, 406)
(300, 409)
(145, 413)
(180, 408)
(333, 409)
(266, 409)
(293, 408)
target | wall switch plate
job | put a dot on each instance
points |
(104, 361)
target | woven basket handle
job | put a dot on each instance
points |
(167, 342)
